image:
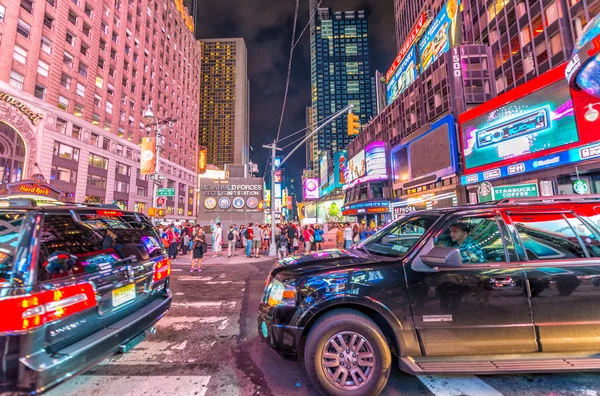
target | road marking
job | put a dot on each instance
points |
(176, 269)
(205, 304)
(224, 283)
(187, 322)
(146, 353)
(448, 385)
(181, 346)
(195, 278)
(178, 294)
(223, 324)
(85, 385)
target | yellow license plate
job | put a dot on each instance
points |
(123, 295)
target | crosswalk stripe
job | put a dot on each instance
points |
(204, 304)
(447, 385)
(85, 385)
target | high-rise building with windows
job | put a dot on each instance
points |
(224, 101)
(88, 70)
(340, 74)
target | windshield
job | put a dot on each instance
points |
(10, 238)
(398, 237)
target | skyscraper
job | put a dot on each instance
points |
(340, 74)
(224, 101)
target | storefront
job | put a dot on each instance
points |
(36, 189)
(372, 213)
(424, 169)
(540, 138)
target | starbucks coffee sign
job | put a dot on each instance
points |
(22, 107)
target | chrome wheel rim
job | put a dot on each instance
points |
(348, 360)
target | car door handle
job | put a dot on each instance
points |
(502, 283)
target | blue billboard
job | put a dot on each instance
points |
(443, 33)
(404, 75)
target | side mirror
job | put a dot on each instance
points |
(60, 261)
(444, 257)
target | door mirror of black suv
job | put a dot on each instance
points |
(444, 257)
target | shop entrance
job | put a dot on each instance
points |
(12, 155)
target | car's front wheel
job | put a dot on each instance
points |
(347, 354)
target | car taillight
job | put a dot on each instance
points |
(162, 269)
(22, 313)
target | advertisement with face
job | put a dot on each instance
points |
(341, 167)
(404, 75)
(330, 210)
(357, 166)
(443, 33)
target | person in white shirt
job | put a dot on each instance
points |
(218, 240)
(348, 233)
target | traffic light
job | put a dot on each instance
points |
(161, 212)
(151, 212)
(353, 124)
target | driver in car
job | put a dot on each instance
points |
(469, 251)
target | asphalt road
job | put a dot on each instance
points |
(208, 344)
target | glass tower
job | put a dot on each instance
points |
(340, 74)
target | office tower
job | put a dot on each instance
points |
(340, 74)
(224, 101)
(90, 69)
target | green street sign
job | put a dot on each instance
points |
(166, 192)
(580, 186)
(516, 191)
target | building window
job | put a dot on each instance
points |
(68, 59)
(40, 91)
(2, 12)
(46, 45)
(48, 21)
(61, 126)
(43, 68)
(87, 30)
(99, 82)
(23, 29)
(63, 103)
(84, 49)
(142, 191)
(123, 169)
(66, 152)
(101, 63)
(96, 119)
(94, 139)
(65, 81)
(89, 11)
(129, 154)
(97, 100)
(16, 80)
(72, 18)
(82, 69)
(109, 107)
(122, 187)
(119, 150)
(97, 182)
(20, 54)
(78, 110)
(105, 144)
(98, 162)
(80, 89)
(140, 207)
(70, 39)
(76, 132)
(63, 174)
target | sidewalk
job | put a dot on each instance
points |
(239, 258)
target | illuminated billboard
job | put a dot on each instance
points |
(375, 159)
(413, 36)
(356, 166)
(311, 188)
(405, 74)
(428, 158)
(443, 33)
(538, 125)
(323, 167)
(340, 168)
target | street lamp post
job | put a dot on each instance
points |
(156, 178)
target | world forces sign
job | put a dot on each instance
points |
(228, 189)
(16, 103)
(233, 195)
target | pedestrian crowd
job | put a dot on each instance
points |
(255, 239)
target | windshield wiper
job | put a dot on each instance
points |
(364, 249)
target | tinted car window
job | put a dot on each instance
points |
(547, 236)
(588, 237)
(397, 238)
(94, 243)
(478, 239)
(10, 230)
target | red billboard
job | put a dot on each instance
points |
(538, 125)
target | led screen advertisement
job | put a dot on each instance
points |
(538, 125)
(404, 75)
(340, 168)
(330, 210)
(357, 167)
(428, 158)
(311, 188)
(323, 168)
(375, 159)
(443, 33)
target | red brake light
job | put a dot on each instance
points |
(109, 213)
(162, 269)
(21, 313)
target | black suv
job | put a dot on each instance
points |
(77, 284)
(507, 287)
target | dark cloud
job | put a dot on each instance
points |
(266, 26)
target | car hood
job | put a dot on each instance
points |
(326, 259)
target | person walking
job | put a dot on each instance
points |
(198, 249)
(218, 240)
(307, 239)
(292, 235)
(256, 239)
(348, 235)
(232, 237)
(339, 237)
(282, 243)
(185, 241)
(318, 238)
(172, 238)
(249, 236)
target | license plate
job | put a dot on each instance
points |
(123, 295)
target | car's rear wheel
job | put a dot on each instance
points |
(347, 354)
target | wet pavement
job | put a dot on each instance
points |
(208, 344)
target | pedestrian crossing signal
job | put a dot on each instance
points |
(353, 124)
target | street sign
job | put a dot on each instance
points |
(166, 192)
(516, 191)
(160, 201)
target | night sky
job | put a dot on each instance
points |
(267, 30)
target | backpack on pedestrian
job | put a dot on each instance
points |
(230, 236)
